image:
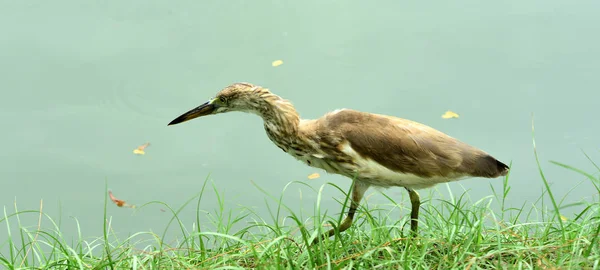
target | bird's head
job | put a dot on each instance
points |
(244, 97)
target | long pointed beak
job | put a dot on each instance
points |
(202, 110)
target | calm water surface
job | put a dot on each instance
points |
(84, 83)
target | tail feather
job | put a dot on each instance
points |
(490, 167)
(502, 168)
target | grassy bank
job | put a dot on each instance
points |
(456, 233)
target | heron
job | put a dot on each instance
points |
(373, 150)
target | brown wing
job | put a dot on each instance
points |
(409, 147)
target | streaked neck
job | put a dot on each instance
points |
(279, 115)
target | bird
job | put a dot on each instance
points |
(373, 150)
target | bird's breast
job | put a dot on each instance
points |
(325, 163)
(309, 152)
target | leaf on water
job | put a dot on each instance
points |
(119, 203)
(314, 176)
(450, 114)
(277, 63)
(140, 149)
(143, 146)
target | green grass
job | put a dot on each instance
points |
(454, 233)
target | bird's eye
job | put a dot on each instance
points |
(222, 99)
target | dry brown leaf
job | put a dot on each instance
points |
(119, 203)
(450, 114)
(314, 176)
(143, 146)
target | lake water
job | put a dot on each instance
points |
(85, 83)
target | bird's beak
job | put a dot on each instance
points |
(202, 110)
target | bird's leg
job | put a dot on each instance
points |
(358, 190)
(415, 202)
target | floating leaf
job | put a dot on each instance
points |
(140, 149)
(450, 114)
(119, 203)
(314, 176)
(143, 146)
(277, 63)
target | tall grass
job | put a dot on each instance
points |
(454, 233)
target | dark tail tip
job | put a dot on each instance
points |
(502, 168)
(490, 167)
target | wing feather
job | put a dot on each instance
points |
(409, 147)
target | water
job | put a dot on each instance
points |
(83, 84)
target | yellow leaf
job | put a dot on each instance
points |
(277, 63)
(313, 176)
(140, 149)
(450, 114)
(563, 218)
